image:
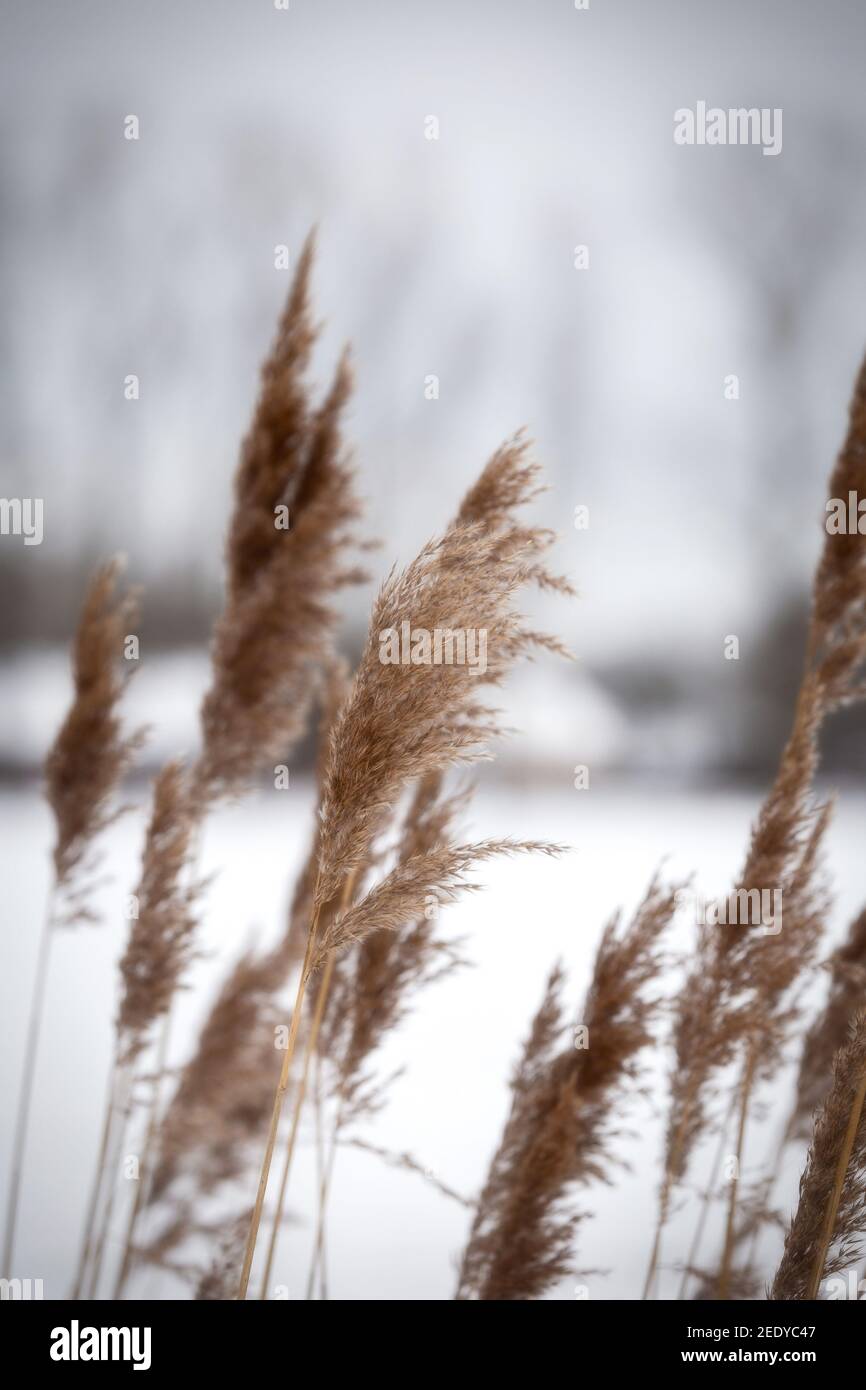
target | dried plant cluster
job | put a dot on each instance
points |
(155, 956)
(827, 1232)
(829, 1033)
(364, 934)
(92, 753)
(288, 556)
(84, 769)
(566, 1100)
(740, 1002)
(400, 722)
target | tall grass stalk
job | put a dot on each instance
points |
(119, 1124)
(145, 1168)
(31, 1051)
(99, 1177)
(730, 1227)
(279, 1098)
(700, 1227)
(309, 1053)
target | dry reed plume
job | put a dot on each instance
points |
(363, 932)
(829, 1033)
(214, 1122)
(84, 768)
(219, 1281)
(403, 894)
(221, 1103)
(293, 523)
(401, 722)
(741, 983)
(157, 951)
(379, 979)
(398, 950)
(507, 482)
(390, 964)
(391, 960)
(91, 753)
(564, 1110)
(828, 1229)
(160, 938)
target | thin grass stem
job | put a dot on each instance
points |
(25, 1099)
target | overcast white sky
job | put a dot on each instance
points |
(451, 257)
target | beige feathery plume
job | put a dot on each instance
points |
(771, 981)
(741, 979)
(292, 526)
(334, 687)
(829, 1032)
(397, 950)
(212, 1118)
(275, 632)
(403, 720)
(290, 531)
(558, 1135)
(836, 642)
(508, 481)
(91, 753)
(214, 1121)
(274, 450)
(226, 1088)
(370, 988)
(388, 964)
(371, 995)
(404, 893)
(83, 770)
(160, 937)
(730, 994)
(225, 1091)
(219, 1282)
(828, 1229)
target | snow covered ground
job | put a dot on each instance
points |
(391, 1236)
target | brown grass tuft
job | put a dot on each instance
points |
(564, 1100)
(160, 937)
(91, 753)
(827, 1232)
(404, 893)
(221, 1104)
(837, 643)
(372, 993)
(739, 990)
(401, 722)
(275, 634)
(279, 617)
(274, 450)
(829, 1032)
